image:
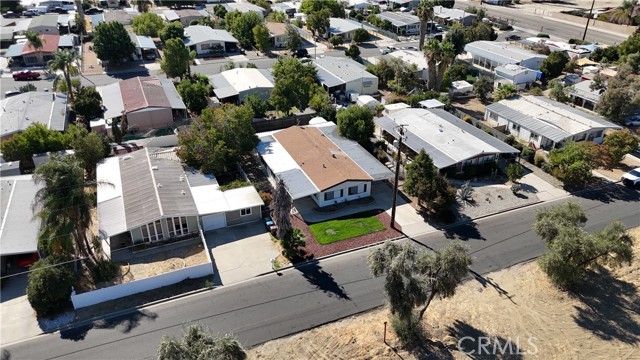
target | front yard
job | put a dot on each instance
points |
(345, 228)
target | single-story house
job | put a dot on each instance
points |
(18, 228)
(316, 162)
(124, 17)
(26, 53)
(344, 75)
(571, 50)
(277, 34)
(407, 4)
(68, 42)
(582, 95)
(285, 7)
(490, 54)
(45, 24)
(244, 7)
(152, 198)
(207, 41)
(368, 101)
(358, 4)
(450, 16)
(517, 75)
(431, 104)
(545, 123)
(344, 28)
(184, 16)
(148, 102)
(145, 47)
(412, 57)
(451, 143)
(20, 111)
(236, 84)
(389, 108)
(401, 23)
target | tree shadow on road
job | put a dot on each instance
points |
(315, 275)
(610, 307)
(479, 345)
(610, 193)
(124, 323)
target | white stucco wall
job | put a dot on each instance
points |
(344, 187)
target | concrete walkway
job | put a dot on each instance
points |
(544, 190)
(18, 318)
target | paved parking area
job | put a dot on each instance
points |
(18, 318)
(241, 252)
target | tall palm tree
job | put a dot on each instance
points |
(80, 13)
(439, 56)
(446, 55)
(64, 205)
(425, 14)
(64, 60)
(36, 41)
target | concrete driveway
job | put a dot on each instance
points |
(240, 252)
(18, 318)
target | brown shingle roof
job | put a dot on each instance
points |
(49, 45)
(276, 29)
(323, 162)
(141, 92)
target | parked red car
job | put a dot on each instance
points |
(26, 260)
(26, 75)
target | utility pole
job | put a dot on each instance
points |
(395, 184)
(584, 36)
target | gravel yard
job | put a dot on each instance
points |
(490, 199)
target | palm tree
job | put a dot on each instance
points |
(36, 41)
(622, 14)
(439, 56)
(192, 58)
(425, 14)
(431, 50)
(64, 60)
(64, 206)
(446, 55)
(80, 16)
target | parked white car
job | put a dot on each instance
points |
(632, 121)
(632, 178)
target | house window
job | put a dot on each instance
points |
(245, 212)
(534, 137)
(328, 196)
(493, 115)
(515, 126)
(205, 46)
(178, 226)
(598, 134)
(152, 231)
(353, 190)
(365, 188)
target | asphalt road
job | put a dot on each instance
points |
(535, 24)
(273, 306)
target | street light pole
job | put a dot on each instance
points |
(584, 36)
(395, 183)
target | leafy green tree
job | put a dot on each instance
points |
(259, 106)
(292, 38)
(292, 79)
(572, 163)
(195, 94)
(242, 28)
(36, 139)
(215, 139)
(175, 62)
(261, 37)
(456, 36)
(482, 87)
(319, 98)
(111, 42)
(219, 11)
(64, 204)
(230, 19)
(90, 149)
(505, 91)
(553, 65)
(356, 123)
(64, 61)
(172, 30)
(353, 52)
(278, 17)
(50, 281)
(620, 143)
(558, 92)
(605, 54)
(318, 22)
(515, 172)
(479, 31)
(361, 35)
(458, 71)
(630, 46)
(313, 6)
(88, 104)
(414, 277)
(198, 343)
(147, 24)
(281, 205)
(622, 95)
(336, 40)
(424, 182)
(571, 251)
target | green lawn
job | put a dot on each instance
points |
(353, 226)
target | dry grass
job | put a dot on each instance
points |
(159, 263)
(602, 322)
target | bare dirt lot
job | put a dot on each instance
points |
(628, 163)
(600, 321)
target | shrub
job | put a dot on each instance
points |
(510, 140)
(336, 40)
(528, 153)
(104, 270)
(465, 193)
(409, 332)
(539, 160)
(467, 119)
(50, 282)
(517, 145)
(266, 197)
(515, 172)
(235, 184)
(543, 35)
(292, 243)
(470, 171)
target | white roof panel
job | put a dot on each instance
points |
(242, 198)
